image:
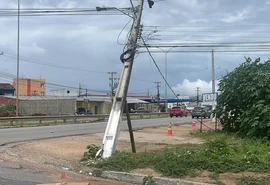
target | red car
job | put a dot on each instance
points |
(178, 111)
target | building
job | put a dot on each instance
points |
(99, 104)
(6, 89)
(64, 92)
(31, 87)
(48, 105)
(65, 105)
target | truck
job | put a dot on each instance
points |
(178, 111)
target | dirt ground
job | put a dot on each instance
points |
(62, 155)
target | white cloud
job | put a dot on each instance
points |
(188, 87)
(236, 17)
(33, 48)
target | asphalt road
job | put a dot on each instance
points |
(10, 174)
(12, 135)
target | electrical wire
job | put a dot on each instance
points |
(133, 8)
(122, 31)
(25, 59)
(67, 11)
(159, 69)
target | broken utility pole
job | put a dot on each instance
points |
(119, 102)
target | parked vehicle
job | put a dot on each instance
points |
(178, 111)
(201, 112)
(142, 110)
(83, 111)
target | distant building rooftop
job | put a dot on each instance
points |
(6, 86)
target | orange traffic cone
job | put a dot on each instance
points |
(169, 132)
(193, 123)
(64, 175)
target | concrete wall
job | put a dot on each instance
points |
(52, 107)
(6, 101)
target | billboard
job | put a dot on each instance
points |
(209, 97)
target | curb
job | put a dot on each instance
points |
(136, 178)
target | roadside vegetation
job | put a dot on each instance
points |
(219, 154)
(242, 146)
(244, 100)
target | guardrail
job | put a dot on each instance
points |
(50, 120)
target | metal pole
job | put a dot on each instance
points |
(166, 77)
(18, 62)
(213, 84)
(198, 89)
(213, 72)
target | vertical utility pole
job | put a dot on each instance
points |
(213, 72)
(18, 62)
(80, 89)
(158, 86)
(113, 84)
(198, 90)
(86, 93)
(119, 102)
(213, 84)
(158, 94)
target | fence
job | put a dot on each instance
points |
(52, 120)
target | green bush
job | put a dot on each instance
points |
(244, 101)
(8, 108)
(91, 152)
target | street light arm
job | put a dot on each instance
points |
(99, 9)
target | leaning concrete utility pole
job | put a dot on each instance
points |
(119, 101)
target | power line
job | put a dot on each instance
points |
(158, 68)
(207, 51)
(29, 60)
(50, 64)
(72, 11)
(205, 26)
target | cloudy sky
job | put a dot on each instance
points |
(68, 50)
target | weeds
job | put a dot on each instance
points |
(148, 180)
(221, 153)
(254, 181)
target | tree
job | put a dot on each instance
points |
(244, 103)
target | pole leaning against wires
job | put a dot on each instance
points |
(119, 101)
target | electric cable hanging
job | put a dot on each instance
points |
(159, 69)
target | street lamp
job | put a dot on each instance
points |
(166, 74)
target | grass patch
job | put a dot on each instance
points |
(221, 153)
(254, 181)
